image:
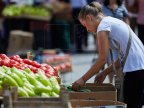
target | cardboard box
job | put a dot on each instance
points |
(97, 92)
(95, 104)
(19, 41)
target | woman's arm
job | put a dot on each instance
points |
(101, 76)
(103, 47)
(110, 68)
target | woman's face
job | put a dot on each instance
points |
(90, 24)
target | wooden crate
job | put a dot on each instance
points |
(95, 104)
(98, 92)
(10, 100)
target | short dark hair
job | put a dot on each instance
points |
(106, 2)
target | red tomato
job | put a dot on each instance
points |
(63, 66)
(36, 64)
(34, 69)
(48, 66)
(3, 56)
(13, 63)
(27, 61)
(19, 60)
(44, 64)
(14, 57)
(58, 67)
(5, 62)
(43, 68)
(68, 64)
(55, 68)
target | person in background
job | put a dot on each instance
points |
(110, 30)
(114, 8)
(140, 19)
(132, 7)
(79, 30)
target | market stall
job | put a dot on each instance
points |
(34, 81)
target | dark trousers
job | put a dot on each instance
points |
(134, 88)
(80, 32)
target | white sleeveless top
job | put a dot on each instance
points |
(119, 36)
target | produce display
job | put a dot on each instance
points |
(15, 10)
(16, 61)
(30, 77)
(56, 59)
(61, 62)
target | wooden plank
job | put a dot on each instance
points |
(94, 103)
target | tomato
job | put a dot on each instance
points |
(19, 60)
(43, 68)
(48, 66)
(14, 57)
(36, 64)
(68, 64)
(3, 56)
(34, 69)
(63, 66)
(27, 61)
(14, 62)
(58, 68)
(22, 68)
(48, 75)
(5, 62)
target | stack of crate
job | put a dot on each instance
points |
(20, 41)
(98, 96)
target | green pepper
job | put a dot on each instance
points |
(31, 79)
(22, 92)
(45, 81)
(2, 69)
(29, 91)
(45, 89)
(9, 80)
(29, 86)
(53, 94)
(6, 68)
(18, 72)
(55, 85)
(45, 95)
(17, 79)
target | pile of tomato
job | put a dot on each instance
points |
(18, 62)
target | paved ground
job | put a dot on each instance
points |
(81, 63)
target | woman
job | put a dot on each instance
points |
(114, 8)
(114, 33)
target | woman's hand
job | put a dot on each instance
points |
(77, 84)
(100, 77)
